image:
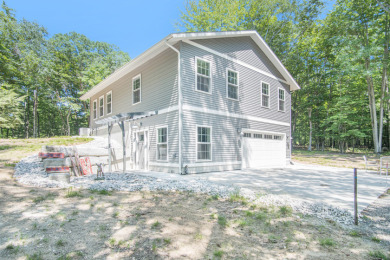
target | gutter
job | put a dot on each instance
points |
(180, 103)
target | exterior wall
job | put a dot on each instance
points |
(158, 88)
(249, 87)
(244, 49)
(225, 137)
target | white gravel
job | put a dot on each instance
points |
(29, 171)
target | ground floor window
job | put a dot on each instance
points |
(203, 143)
(162, 144)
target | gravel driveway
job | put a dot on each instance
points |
(333, 186)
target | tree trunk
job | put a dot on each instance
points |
(310, 133)
(67, 122)
(27, 116)
(35, 127)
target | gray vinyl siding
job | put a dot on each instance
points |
(244, 49)
(158, 87)
(226, 145)
(249, 87)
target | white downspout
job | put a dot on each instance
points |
(179, 103)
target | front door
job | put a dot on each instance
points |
(142, 150)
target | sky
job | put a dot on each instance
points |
(132, 25)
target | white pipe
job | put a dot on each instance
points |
(179, 103)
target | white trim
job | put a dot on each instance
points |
(200, 164)
(101, 97)
(211, 144)
(167, 110)
(196, 76)
(109, 92)
(284, 100)
(205, 164)
(166, 164)
(140, 89)
(93, 116)
(157, 143)
(261, 94)
(228, 114)
(227, 84)
(225, 56)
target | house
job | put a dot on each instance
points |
(197, 102)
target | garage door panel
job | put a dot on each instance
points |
(259, 153)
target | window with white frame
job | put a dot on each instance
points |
(203, 75)
(267, 136)
(109, 102)
(94, 108)
(232, 84)
(203, 143)
(281, 99)
(101, 106)
(137, 89)
(162, 144)
(247, 135)
(264, 94)
(258, 136)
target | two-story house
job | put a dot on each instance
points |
(198, 102)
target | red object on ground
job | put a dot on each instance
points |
(57, 169)
(84, 167)
(51, 155)
(88, 164)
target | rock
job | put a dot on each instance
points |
(60, 177)
(87, 151)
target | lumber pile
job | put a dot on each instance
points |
(61, 162)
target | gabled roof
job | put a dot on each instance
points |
(176, 37)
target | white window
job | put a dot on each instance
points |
(109, 102)
(203, 143)
(101, 106)
(264, 94)
(137, 89)
(162, 144)
(203, 75)
(94, 108)
(281, 99)
(277, 137)
(247, 135)
(258, 136)
(267, 136)
(232, 84)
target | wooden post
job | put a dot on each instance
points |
(122, 126)
(109, 147)
(355, 205)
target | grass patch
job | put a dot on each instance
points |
(355, 233)
(236, 197)
(60, 242)
(285, 210)
(72, 193)
(35, 256)
(222, 221)
(156, 225)
(375, 239)
(102, 192)
(218, 253)
(10, 165)
(48, 196)
(378, 255)
(327, 242)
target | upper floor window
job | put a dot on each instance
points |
(203, 75)
(101, 106)
(264, 94)
(94, 109)
(136, 89)
(281, 99)
(232, 84)
(162, 144)
(109, 102)
(203, 141)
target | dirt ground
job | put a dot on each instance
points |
(42, 223)
(334, 159)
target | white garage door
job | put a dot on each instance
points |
(263, 150)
